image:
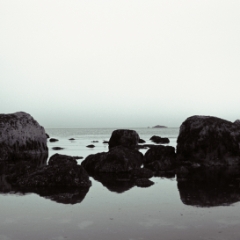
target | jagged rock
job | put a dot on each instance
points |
(53, 140)
(125, 138)
(21, 137)
(157, 139)
(209, 141)
(118, 159)
(62, 171)
(160, 158)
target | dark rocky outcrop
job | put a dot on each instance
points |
(209, 141)
(160, 158)
(21, 137)
(124, 137)
(157, 139)
(118, 159)
(208, 187)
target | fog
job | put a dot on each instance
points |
(119, 63)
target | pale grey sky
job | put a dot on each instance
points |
(119, 63)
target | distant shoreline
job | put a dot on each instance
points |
(159, 126)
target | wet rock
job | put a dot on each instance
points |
(53, 140)
(157, 139)
(143, 182)
(125, 138)
(21, 137)
(90, 146)
(209, 141)
(118, 159)
(160, 158)
(61, 171)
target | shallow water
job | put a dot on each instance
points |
(172, 208)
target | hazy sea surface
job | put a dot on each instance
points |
(169, 210)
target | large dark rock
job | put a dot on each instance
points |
(124, 137)
(158, 139)
(160, 158)
(62, 171)
(118, 159)
(209, 187)
(21, 137)
(209, 141)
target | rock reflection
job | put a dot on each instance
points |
(11, 172)
(210, 187)
(118, 183)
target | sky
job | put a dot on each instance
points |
(120, 63)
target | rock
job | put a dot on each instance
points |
(143, 182)
(77, 157)
(71, 139)
(105, 141)
(118, 159)
(141, 141)
(94, 141)
(21, 137)
(160, 158)
(62, 171)
(125, 138)
(209, 141)
(53, 140)
(90, 146)
(57, 148)
(47, 135)
(158, 139)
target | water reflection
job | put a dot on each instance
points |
(118, 183)
(209, 187)
(10, 172)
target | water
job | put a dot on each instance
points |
(167, 210)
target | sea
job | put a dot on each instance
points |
(168, 210)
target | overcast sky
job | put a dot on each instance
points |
(120, 63)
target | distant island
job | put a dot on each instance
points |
(159, 126)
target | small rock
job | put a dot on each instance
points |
(57, 148)
(53, 140)
(90, 146)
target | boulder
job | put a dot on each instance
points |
(160, 158)
(90, 146)
(157, 139)
(62, 171)
(124, 137)
(141, 141)
(21, 137)
(209, 141)
(118, 159)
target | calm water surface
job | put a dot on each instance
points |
(167, 210)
